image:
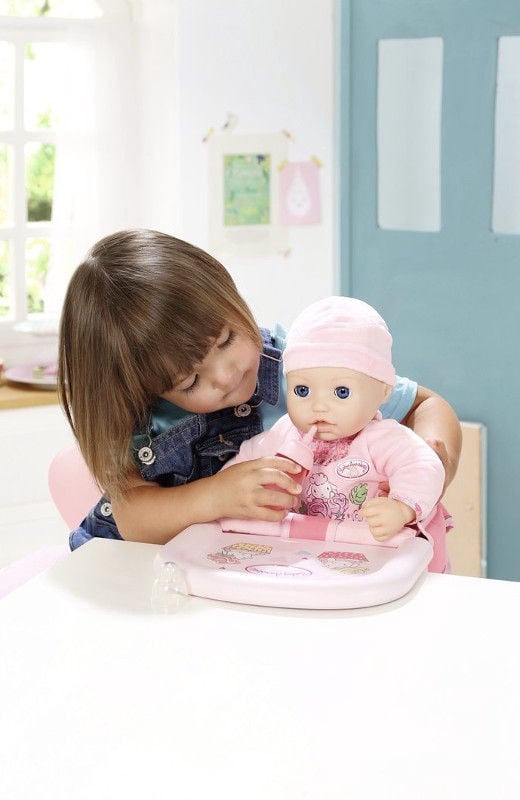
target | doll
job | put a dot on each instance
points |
(365, 480)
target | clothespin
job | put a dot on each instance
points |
(208, 135)
(288, 135)
(316, 160)
(282, 165)
(230, 123)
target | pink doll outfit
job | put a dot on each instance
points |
(348, 472)
(345, 332)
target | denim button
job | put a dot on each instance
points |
(146, 455)
(106, 509)
(242, 410)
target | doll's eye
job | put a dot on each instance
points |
(342, 392)
(301, 390)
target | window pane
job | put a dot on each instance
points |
(37, 256)
(44, 65)
(39, 180)
(506, 190)
(79, 9)
(409, 133)
(6, 184)
(6, 86)
(5, 275)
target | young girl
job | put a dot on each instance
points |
(163, 373)
(338, 366)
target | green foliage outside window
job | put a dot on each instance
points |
(37, 260)
(39, 187)
(40, 183)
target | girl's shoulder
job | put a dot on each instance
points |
(276, 335)
(401, 400)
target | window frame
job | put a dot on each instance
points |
(21, 31)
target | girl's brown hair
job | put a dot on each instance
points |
(139, 313)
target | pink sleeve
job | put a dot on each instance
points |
(414, 471)
(246, 453)
(264, 444)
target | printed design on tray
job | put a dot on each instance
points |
(345, 563)
(353, 468)
(278, 570)
(238, 552)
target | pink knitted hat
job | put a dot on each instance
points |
(341, 332)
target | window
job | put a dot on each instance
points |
(33, 34)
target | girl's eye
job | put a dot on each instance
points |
(342, 392)
(192, 386)
(301, 390)
(230, 338)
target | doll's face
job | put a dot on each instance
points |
(340, 402)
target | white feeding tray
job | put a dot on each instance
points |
(294, 573)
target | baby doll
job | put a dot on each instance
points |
(370, 481)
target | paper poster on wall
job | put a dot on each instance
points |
(300, 193)
(247, 189)
(244, 193)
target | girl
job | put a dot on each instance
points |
(163, 373)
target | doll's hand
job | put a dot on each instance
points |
(259, 489)
(386, 517)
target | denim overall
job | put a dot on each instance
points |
(196, 447)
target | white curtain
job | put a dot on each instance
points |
(98, 163)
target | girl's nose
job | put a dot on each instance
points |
(222, 377)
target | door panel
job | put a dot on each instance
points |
(450, 297)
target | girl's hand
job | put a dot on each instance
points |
(259, 489)
(386, 517)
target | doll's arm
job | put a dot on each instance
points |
(293, 526)
(415, 476)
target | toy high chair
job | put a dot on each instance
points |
(262, 570)
(294, 573)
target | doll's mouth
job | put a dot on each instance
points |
(323, 426)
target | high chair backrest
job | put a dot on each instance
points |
(71, 485)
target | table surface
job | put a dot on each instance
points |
(20, 395)
(102, 698)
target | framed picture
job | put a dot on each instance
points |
(244, 193)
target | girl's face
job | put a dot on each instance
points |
(225, 377)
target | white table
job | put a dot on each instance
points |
(100, 698)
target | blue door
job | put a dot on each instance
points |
(449, 289)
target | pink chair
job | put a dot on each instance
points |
(71, 485)
(74, 492)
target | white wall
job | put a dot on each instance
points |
(270, 62)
